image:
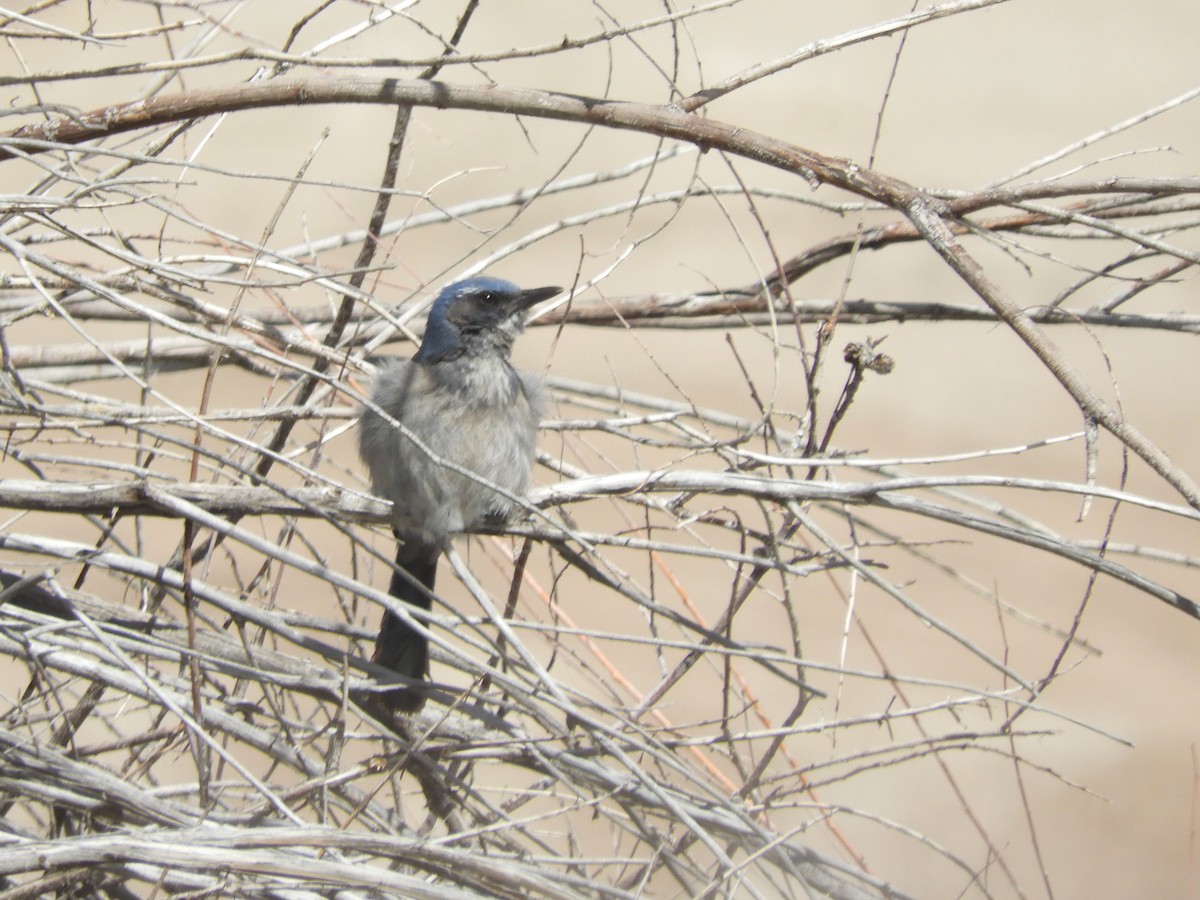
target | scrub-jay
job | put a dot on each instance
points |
(462, 399)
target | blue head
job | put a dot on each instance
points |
(477, 316)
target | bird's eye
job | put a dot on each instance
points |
(487, 297)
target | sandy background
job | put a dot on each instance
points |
(1114, 804)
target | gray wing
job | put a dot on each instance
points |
(494, 441)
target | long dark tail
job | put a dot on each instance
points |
(398, 646)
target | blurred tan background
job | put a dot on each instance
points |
(1111, 791)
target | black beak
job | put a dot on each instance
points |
(534, 296)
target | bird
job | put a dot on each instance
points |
(475, 418)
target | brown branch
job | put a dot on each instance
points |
(663, 121)
(927, 213)
(942, 239)
(729, 309)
